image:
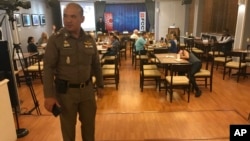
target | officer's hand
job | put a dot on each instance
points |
(49, 102)
(100, 92)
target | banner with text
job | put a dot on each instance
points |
(142, 21)
(108, 21)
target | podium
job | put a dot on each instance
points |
(175, 30)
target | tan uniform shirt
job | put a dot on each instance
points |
(72, 59)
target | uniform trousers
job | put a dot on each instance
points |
(78, 103)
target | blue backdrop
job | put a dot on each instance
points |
(126, 16)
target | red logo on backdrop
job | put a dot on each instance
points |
(108, 21)
(142, 14)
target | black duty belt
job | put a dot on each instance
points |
(79, 85)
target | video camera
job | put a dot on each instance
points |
(13, 4)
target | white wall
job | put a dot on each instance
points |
(169, 12)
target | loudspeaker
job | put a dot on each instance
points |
(6, 69)
(53, 3)
(186, 2)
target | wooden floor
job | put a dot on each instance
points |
(127, 114)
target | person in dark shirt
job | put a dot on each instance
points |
(196, 66)
(100, 25)
(113, 47)
(31, 45)
(173, 43)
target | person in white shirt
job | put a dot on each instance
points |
(135, 35)
(226, 37)
(226, 41)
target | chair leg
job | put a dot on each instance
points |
(135, 63)
(142, 83)
(188, 93)
(224, 73)
(211, 84)
(171, 95)
(116, 83)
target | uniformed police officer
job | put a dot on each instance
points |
(71, 58)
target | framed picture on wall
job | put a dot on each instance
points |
(17, 17)
(35, 19)
(42, 19)
(26, 20)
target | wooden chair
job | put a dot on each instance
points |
(218, 52)
(148, 72)
(140, 57)
(217, 55)
(239, 65)
(123, 49)
(205, 74)
(36, 68)
(132, 44)
(196, 48)
(110, 73)
(247, 57)
(178, 82)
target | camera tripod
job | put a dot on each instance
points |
(19, 53)
(21, 132)
(28, 80)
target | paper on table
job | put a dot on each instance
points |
(170, 56)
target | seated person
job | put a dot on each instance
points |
(135, 35)
(113, 47)
(140, 44)
(226, 41)
(196, 66)
(173, 43)
(43, 39)
(31, 45)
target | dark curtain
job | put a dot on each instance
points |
(150, 5)
(99, 9)
(126, 16)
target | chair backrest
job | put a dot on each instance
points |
(217, 50)
(227, 47)
(205, 37)
(234, 54)
(239, 55)
(248, 51)
(182, 67)
(123, 43)
(189, 43)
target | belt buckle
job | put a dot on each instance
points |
(82, 85)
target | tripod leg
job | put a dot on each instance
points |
(28, 81)
(21, 132)
(36, 103)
